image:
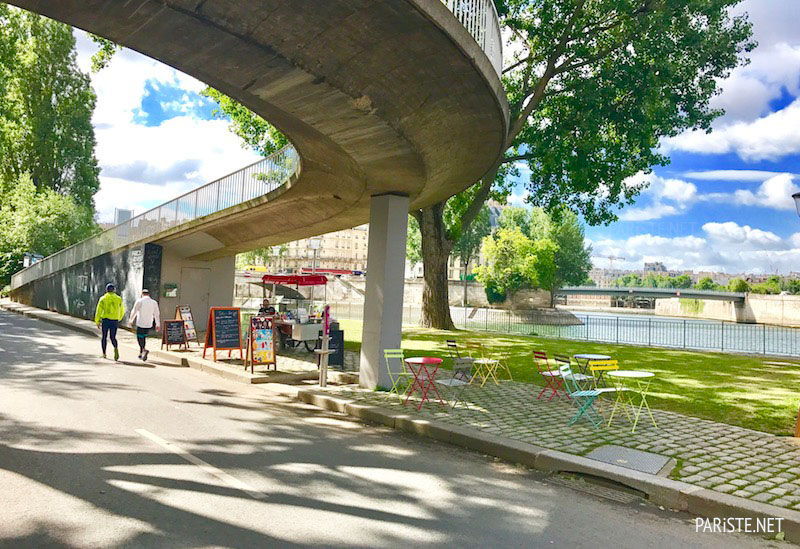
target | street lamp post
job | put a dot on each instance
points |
(313, 244)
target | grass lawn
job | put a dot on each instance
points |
(761, 393)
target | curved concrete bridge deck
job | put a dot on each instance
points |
(376, 96)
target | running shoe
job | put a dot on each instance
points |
(116, 353)
(144, 355)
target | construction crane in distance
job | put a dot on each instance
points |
(611, 259)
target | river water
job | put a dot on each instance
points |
(645, 330)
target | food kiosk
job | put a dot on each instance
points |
(297, 327)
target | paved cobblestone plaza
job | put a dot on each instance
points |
(725, 458)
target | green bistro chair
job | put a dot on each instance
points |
(583, 399)
(398, 373)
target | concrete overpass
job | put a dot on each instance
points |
(687, 293)
(390, 105)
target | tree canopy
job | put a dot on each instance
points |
(514, 261)
(46, 107)
(48, 171)
(255, 132)
(593, 87)
(42, 221)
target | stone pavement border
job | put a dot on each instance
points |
(670, 493)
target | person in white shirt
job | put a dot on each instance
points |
(146, 315)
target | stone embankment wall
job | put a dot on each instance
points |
(352, 290)
(781, 310)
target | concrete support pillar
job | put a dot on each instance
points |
(383, 302)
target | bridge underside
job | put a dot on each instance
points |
(657, 293)
(391, 96)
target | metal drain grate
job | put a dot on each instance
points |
(591, 488)
(629, 458)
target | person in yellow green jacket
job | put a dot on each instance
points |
(110, 311)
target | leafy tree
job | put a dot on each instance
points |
(47, 105)
(514, 261)
(651, 280)
(469, 244)
(42, 222)
(106, 50)
(682, 281)
(48, 172)
(513, 216)
(630, 280)
(793, 286)
(593, 87)
(261, 256)
(257, 133)
(573, 255)
(773, 286)
(706, 284)
(413, 242)
(738, 285)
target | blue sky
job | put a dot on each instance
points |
(722, 204)
(156, 137)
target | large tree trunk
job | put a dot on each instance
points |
(435, 251)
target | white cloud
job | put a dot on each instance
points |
(666, 197)
(774, 21)
(747, 92)
(647, 213)
(775, 193)
(727, 247)
(732, 175)
(769, 138)
(143, 166)
(749, 128)
(731, 233)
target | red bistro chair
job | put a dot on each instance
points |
(552, 379)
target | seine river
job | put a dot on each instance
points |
(643, 330)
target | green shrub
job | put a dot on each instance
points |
(494, 295)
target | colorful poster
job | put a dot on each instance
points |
(263, 350)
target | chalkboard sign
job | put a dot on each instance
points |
(184, 312)
(173, 332)
(261, 342)
(224, 331)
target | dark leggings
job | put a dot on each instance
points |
(109, 330)
(141, 337)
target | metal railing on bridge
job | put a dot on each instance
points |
(250, 182)
(480, 19)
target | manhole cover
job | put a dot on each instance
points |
(629, 458)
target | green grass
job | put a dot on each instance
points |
(736, 389)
